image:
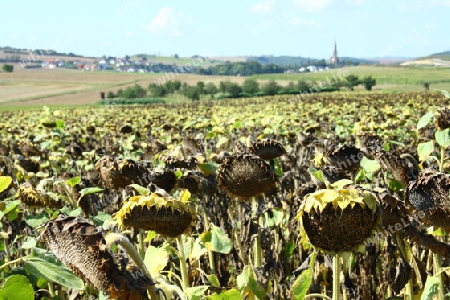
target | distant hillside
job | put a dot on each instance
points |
(303, 61)
(442, 55)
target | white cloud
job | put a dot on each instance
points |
(298, 21)
(311, 5)
(265, 7)
(168, 22)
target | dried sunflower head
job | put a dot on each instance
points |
(344, 158)
(338, 220)
(402, 169)
(267, 149)
(443, 118)
(36, 199)
(119, 173)
(245, 176)
(370, 144)
(82, 247)
(430, 199)
(159, 212)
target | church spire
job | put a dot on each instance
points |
(334, 60)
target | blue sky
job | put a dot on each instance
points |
(306, 28)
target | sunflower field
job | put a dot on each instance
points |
(323, 196)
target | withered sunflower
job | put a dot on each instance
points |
(267, 149)
(164, 214)
(443, 118)
(338, 220)
(36, 199)
(119, 173)
(430, 199)
(245, 176)
(82, 247)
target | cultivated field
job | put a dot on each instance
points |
(25, 87)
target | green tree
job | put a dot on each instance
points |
(110, 95)
(159, 90)
(8, 68)
(172, 86)
(271, 87)
(234, 90)
(201, 87)
(352, 81)
(369, 82)
(301, 86)
(211, 89)
(192, 92)
(250, 86)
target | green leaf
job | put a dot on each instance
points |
(431, 288)
(301, 285)
(246, 282)
(73, 181)
(196, 293)
(36, 220)
(29, 243)
(17, 287)
(369, 165)
(445, 93)
(425, 149)
(278, 168)
(318, 174)
(207, 169)
(443, 137)
(90, 190)
(54, 272)
(140, 189)
(151, 234)
(60, 123)
(425, 120)
(213, 280)
(101, 218)
(5, 181)
(156, 259)
(341, 183)
(232, 294)
(274, 218)
(217, 240)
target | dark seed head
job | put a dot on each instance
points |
(430, 199)
(246, 176)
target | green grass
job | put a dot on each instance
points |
(410, 78)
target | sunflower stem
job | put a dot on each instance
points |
(51, 290)
(409, 291)
(317, 296)
(116, 238)
(141, 248)
(442, 159)
(437, 273)
(211, 257)
(336, 277)
(183, 268)
(19, 260)
(257, 259)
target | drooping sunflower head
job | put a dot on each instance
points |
(245, 176)
(338, 220)
(119, 173)
(430, 200)
(443, 118)
(162, 213)
(33, 198)
(267, 149)
(82, 247)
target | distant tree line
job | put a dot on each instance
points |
(227, 89)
